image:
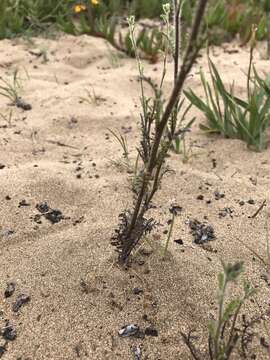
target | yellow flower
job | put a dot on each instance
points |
(79, 8)
(94, 2)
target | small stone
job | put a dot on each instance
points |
(251, 201)
(200, 197)
(2, 166)
(129, 330)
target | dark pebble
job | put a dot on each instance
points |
(251, 201)
(2, 166)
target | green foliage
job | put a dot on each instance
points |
(225, 18)
(223, 335)
(11, 89)
(33, 16)
(231, 116)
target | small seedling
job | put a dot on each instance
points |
(7, 118)
(223, 332)
(12, 90)
(92, 98)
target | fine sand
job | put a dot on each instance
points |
(62, 153)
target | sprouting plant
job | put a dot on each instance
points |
(223, 331)
(158, 127)
(174, 211)
(125, 162)
(220, 348)
(11, 89)
(91, 97)
(7, 118)
(231, 116)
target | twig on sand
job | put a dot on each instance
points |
(59, 143)
(258, 210)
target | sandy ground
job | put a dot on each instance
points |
(60, 152)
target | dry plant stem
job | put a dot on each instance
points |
(188, 61)
(177, 8)
(268, 35)
(168, 237)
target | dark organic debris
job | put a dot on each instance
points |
(251, 202)
(201, 232)
(179, 241)
(23, 203)
(137, 291)
(2, 166)
(137, 352)
(53, 215)
(21, 300)
(264, 343)
(226, 211)
(263, 204)
(218, 195)
(214, 163)
(9, 289)
(124, 241)
(6, 233)
(150, 331)
(20, 103)
(37, 218)
(175, 209)
(129, 330)
(2, 350)
(9, 332)
(43, 207)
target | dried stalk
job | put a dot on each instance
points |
(136, 221)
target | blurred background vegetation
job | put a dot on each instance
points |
(225, 18)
